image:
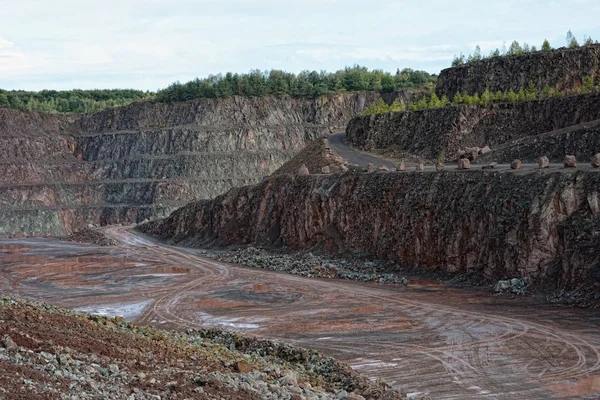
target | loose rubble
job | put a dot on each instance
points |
(311, 266)
(514, 285)
(52, 353)
(90, 236)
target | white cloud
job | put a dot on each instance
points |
(149, 43)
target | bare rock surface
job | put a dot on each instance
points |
(61, 173)
(561, 68)
(502, 232)
(449, 130)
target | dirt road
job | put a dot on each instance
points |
(424, 338)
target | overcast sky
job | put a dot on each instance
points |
(148, 44)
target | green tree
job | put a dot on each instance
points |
(521, 96)
(458, 98)
(460, 60)
(546, 46)
(587, 84)
(587, 41)
(511, 96)
(499, 96)
(571, 40)
(486, 97)
(515, 49)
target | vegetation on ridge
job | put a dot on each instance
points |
(487, 97)
(516, 49)
(306, 84)
(71, 101)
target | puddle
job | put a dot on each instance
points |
(127, 311)
(237, 323)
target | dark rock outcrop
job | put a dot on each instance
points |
(59, 173)
(447, 130)
(560, 69)
(492, 224)
(581, 140)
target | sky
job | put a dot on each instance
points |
(148, 44)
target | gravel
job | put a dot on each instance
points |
(310, 265)
(51, 353)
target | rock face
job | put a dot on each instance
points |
(59, 174)
(580, 140)
(543, 226)
(561, 69)
(447, 130)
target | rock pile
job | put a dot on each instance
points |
(311, 266)
(48, 352)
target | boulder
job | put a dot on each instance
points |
(596, 161)
(370, 168)
(8, 343)
(303, 170)
(243, 367)
(490, 166)
(544, 162)
(485, 150)
(439, 166)
(419, 167)
(401, 166)
(384, 169)
(326, 170)
(516, 164)
(470, 153)
(570, 161)
(464, 163)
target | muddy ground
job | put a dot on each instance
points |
(426, 338)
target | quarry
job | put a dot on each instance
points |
(278, 247)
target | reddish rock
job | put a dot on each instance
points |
(401, 167)
(370, 168)
(439, 166)
(464, 163)
(544, 162)
(384, 169)
(419, 167)
(570, 161)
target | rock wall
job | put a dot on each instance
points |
(61, 173)
(542, 225)
(562, 69)
(581, 141)
(429, 133)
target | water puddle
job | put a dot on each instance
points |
(127, 311)
(236, 323)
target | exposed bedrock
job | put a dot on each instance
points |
(429, 133)
(61, 173)
(492, 224)
(561, 69)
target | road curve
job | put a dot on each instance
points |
(425, 338)
(339, 144)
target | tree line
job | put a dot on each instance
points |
(71, 101)
(485, 98)
(306, 84)
(515, 49)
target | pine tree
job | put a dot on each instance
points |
(444, 102)
(511, 96)
(571, 40)
(521, 95)
(499, 96)
(546, 46)
(486, 97)
(458, 98)
(434, 101)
